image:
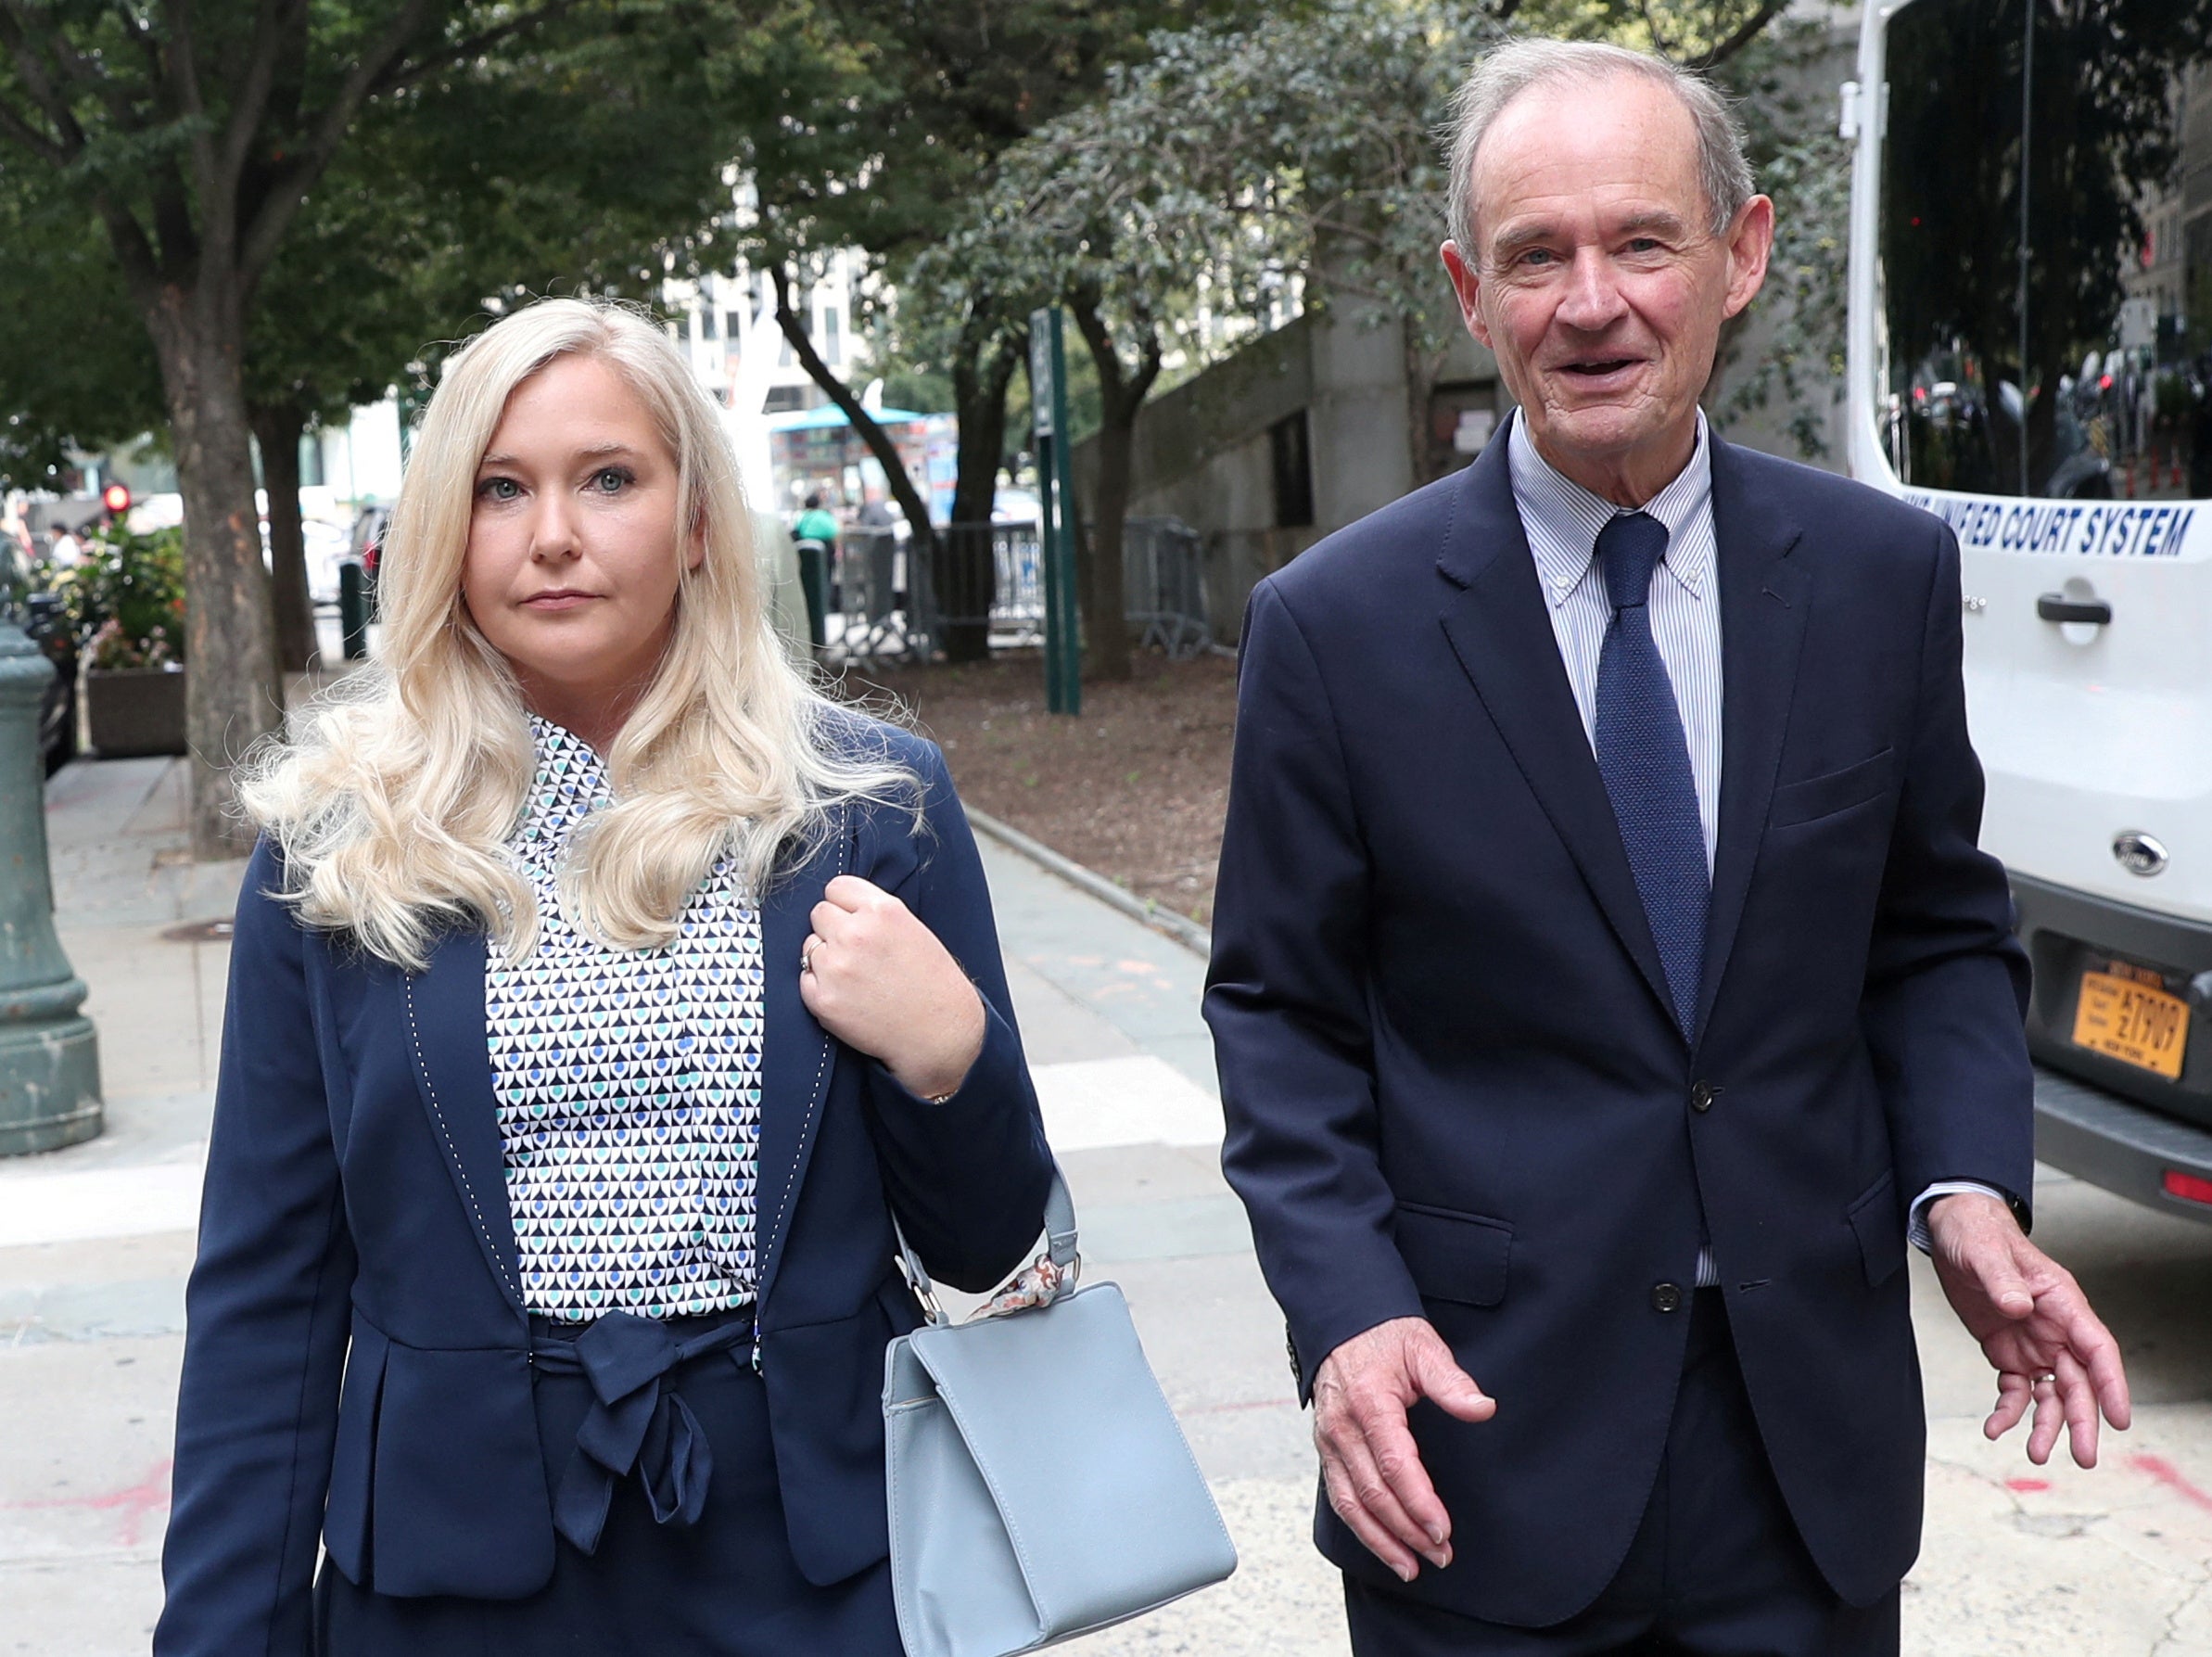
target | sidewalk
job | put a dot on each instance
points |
(96, 1242)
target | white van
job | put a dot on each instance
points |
(2082, 511)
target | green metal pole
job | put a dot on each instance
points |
(49, 1056)
(1056, 490)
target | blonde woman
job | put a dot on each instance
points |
(598, 992)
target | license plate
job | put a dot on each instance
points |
(2126, 1019)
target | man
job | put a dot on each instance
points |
(1606, 979)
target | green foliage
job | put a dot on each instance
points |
(1243, 171)
(76, 370)
(1236, 174)
(126, 596)
(1788, 106)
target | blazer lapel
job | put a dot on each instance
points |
(443, 1009)
(796, 1054)
(1764, 599)
(1502, 634)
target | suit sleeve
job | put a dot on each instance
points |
(1947, 981)
(267, 1313)
(967, 1177)
(1287, 998)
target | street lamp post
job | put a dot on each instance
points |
(49, 1055)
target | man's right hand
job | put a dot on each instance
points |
(1376, 1481)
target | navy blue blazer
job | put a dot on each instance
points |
(1454, 1084)
(356, 1224)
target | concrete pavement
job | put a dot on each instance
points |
(95, 1242)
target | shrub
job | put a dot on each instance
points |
(125, 597)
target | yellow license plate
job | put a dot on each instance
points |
(2129, 1020)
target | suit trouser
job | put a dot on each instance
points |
(1717, 1567)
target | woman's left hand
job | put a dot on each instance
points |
(878, 980)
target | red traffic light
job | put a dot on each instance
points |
(115, 497)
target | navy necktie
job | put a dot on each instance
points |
(1645, 762)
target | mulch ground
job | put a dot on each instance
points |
(1134, 787)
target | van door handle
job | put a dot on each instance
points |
(2057, 607)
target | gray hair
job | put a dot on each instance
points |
(1507, 71)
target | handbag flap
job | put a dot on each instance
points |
(1102, 1500)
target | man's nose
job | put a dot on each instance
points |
(1593, 300)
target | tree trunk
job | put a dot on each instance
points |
(1122, 395)
(922, 547)
(232, 695)
(968, 577)
(278, 428)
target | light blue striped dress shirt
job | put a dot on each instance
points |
(1561, 520)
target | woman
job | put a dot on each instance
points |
(598, 992)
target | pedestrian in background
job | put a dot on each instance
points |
(1605, 981)
(816, 523)
(598, 992)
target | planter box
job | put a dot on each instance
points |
(132, 711)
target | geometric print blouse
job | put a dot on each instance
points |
(628, 1084)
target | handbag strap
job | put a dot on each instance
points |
(1060, 1245)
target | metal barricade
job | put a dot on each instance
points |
(871, 619)
(889, 604)
(1164, 589)
(1013, 610)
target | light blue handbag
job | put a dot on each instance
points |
(1039, 1487)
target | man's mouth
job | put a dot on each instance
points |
(1599, 367)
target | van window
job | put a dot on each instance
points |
(2081, 369)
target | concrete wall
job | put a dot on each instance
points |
(1203, 451)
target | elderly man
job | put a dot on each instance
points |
(1605, 981)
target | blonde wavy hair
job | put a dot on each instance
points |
(391, 794)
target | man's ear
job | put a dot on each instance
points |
(1750, 241)
(1468, 285)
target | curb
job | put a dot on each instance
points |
(1187, 931)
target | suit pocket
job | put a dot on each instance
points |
(1880, 1227)
(1832, 792)
(1454, 1256)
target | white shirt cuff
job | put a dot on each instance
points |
(1916, 1231)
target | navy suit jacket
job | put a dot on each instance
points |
(356, 1223)
(1454, 1084)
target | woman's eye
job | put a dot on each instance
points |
(499, 489)
(611, 480)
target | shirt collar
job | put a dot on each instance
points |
(568, 782)
(1563, 518)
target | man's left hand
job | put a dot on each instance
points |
(2034, 1324)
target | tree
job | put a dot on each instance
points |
(403, 246)
(1801, 160)
(901, 112)
(1238, 174)
(197, 134)
(75, 371)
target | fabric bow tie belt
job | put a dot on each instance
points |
(633, 1422)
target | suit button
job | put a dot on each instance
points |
(1666, 1298)
(1702, 1096)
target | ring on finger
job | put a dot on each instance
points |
(807, 954)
